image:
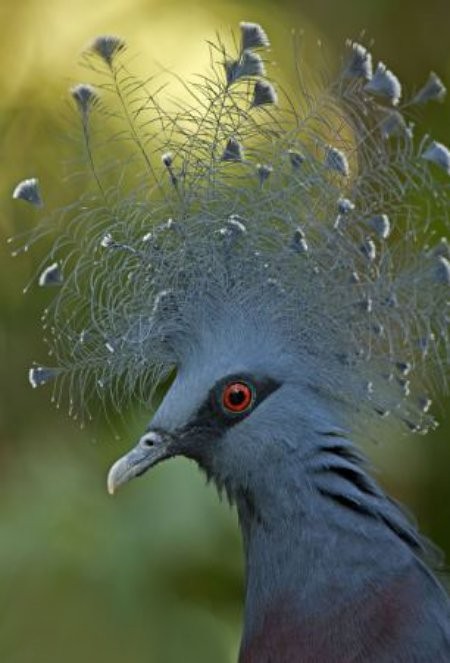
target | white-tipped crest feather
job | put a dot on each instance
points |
(311, 211)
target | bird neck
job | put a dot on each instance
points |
(323, 543)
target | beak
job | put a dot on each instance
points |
(152, 448)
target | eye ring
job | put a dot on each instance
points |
(237, 397)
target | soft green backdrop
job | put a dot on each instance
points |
(155, 574)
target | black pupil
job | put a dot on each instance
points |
(237, 396)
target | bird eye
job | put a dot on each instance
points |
(237, 397)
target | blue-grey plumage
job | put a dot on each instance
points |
(274, 268)
(334, 570)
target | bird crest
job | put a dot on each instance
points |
(315, 211)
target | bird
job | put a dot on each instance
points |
(269, 259)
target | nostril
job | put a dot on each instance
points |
(150, 439)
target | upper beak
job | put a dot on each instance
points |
(152, 448)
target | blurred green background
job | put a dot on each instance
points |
(154, 574)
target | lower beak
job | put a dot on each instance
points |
(152, 448)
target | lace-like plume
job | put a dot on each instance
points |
(323, 206)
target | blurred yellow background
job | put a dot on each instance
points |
(155, 574)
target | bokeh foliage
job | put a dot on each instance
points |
(156, 573)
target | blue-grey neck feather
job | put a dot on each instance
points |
(331, 557)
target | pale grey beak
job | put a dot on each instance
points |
(152, 448)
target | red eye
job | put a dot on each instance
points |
(237, 397)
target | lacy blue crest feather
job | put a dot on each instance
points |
(317, 209)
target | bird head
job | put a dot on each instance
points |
(235, 407)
